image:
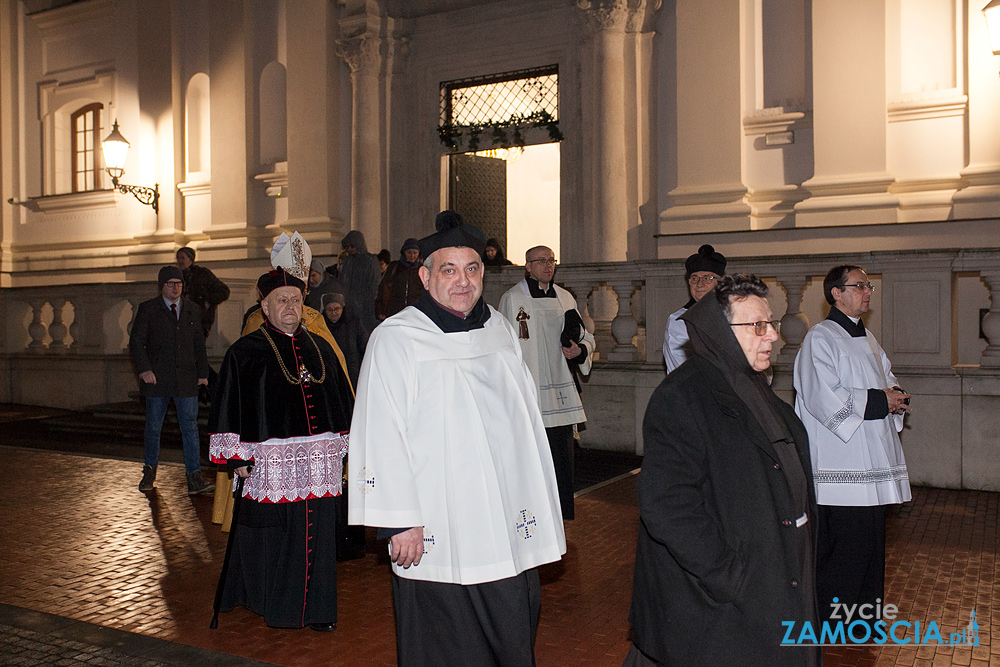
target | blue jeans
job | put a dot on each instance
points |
(187, 418)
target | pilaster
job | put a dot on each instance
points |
(710, 193)
(850, 183)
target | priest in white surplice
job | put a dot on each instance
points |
(449, 460)
(852, 407)
(554, 343)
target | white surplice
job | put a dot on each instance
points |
(676, 342)
(856, 462)
(557, 395)
(447, 435)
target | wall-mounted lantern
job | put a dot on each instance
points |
(115, 149)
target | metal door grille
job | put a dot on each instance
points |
(500, 97)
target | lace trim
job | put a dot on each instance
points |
(225, 446)
(287, 470)
(840, 416)
(880, 475)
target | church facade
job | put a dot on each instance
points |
(791, 134)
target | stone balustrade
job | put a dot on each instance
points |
(65, 345)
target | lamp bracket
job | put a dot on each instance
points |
(148, 196)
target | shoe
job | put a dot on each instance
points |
(148, 477)
(323, 627)
(197, 484)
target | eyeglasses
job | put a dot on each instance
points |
(861, 286)
(174, 283)
(694, 280)
(544, 261)
(760, 328)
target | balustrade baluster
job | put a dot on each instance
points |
(991, 322)
(37, 328)
(794, 323)
(58, 329)
(624, 326)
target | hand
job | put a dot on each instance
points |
(897, 406)
(571, 352)
(243, 471)
(148, 377)
(203, 381)
(407, 548)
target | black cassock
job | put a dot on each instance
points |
(293, 427)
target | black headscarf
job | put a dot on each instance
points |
(712, 338)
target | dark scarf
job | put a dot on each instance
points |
(856, 330)
(536, 292)
(712, 338)
(448, 322)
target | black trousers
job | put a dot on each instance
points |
(488, 625)
(561, 446)
(850, 556)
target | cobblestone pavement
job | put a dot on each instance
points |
(29, 648)
(29, 638)
(79, 542)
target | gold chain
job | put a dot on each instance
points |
(288, 376)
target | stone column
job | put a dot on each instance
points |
(794, 323)
(364, 58)
(991, 323)
(606, 225)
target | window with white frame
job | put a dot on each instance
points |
(85, 126)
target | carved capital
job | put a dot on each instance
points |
(615, 15)
(604, 15)
(362, 54)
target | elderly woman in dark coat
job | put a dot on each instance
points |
(348, 331)
(726, 504)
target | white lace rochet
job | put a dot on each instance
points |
(286, 469)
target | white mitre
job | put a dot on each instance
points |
(293, 255)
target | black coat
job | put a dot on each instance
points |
(174, 349)
(202, 287)
(717, 567)
(352, 339)
(254, 400)
(400, 287)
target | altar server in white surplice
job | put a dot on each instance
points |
(449, 460)
(555, 344)
(852, 408)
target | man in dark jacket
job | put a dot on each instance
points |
(168, 350)
(360, 275)
(726, 504)
(400, 286)
(202, 287)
